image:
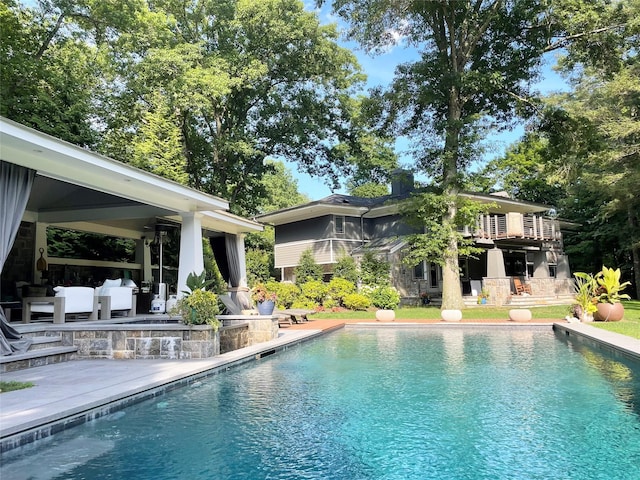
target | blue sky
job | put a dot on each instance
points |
(380, 71)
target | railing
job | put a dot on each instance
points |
(515, 225)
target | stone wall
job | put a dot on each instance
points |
(233, 338)
(260, 328)
(143, 342)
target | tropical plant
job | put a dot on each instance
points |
(385, 297)
(585, 290)
(609, 286)
(197, 282)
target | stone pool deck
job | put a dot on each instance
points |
(71, 393)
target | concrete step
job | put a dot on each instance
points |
(37, 358)
(45, 341)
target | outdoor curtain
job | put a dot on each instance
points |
(234, 245)
(15, 188)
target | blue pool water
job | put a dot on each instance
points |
(374, 404)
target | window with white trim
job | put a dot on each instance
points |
(338, 224)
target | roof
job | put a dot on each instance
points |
(381, 206)
(80, 189)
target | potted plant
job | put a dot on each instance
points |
(198, 306)
(386, 299)
(609, 308)
(483, 297)
(264, 299)
(426, 298)
(585, 292)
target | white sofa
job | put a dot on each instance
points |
(67, 300)
(113, 299)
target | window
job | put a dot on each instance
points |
(418, 271)
(338, 224)
(553, 270)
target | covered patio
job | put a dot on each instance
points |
(46, 182)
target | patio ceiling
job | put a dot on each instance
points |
(76, 188)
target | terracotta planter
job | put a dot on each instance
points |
(519, 314)
(385, 315)
(609, 312)
(451, 315)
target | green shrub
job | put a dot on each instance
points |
(307, 268)
(330, 303)
(346, 268)
(287, 293)
(374, 270)
(200, 307)
(385, 297)
(338, 288)
(314, 291)
(305, 304)
(356, 301)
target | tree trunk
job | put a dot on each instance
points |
(451, 291)
(635, 247)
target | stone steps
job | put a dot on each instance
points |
(37, 358)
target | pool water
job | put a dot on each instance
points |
(374, 404)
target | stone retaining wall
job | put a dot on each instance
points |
(145, 342)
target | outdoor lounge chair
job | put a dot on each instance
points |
(114, 299)
(521, 287)
(67, 300)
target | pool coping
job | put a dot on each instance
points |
(51, 406)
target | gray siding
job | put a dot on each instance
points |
(317, 229)
(390, 226)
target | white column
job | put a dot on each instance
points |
(191, 257)
(143, 257)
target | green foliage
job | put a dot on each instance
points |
(65, 243)
(431, 211)
(258, 265)
(609, 286)
(385, 297)
(356, 301)
(287, 293)
(14, 385)
(585, 291)
(197, 282)
(213, 275)
(198, 308)
(374, 270)
(313, 292)
(369, 190)
(307, 268)
(338, 288)
(346, 268)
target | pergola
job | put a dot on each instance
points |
(77, 189)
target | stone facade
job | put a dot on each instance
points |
(261, 328)
(145, 342)
(233, 338)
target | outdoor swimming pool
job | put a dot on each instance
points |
(413, 403)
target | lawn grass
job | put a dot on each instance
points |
(433, 313)
(629, 325)
(10, 386)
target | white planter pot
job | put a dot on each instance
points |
(385, 315)
(451, 315)
(520, 315)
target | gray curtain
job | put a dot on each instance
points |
(234, 245)
(15, 188)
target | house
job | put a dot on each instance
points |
(70, 187)
(521, 240)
